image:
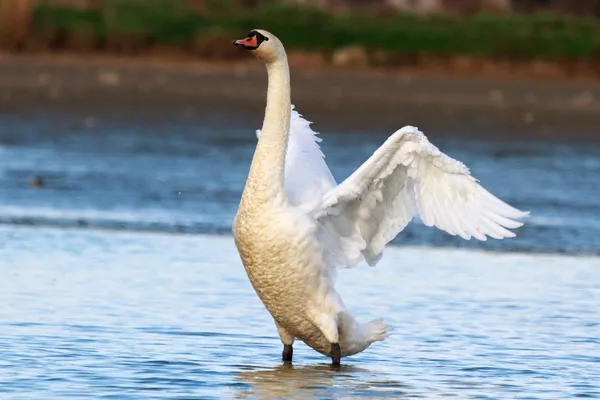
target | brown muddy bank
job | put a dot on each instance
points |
(156, 90)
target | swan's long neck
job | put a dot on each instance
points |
(268, 165)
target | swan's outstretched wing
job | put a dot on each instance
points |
(405, 177)
(307, 177)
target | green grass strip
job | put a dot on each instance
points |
(508, 36)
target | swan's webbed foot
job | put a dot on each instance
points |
(288, 352)
(336, 354)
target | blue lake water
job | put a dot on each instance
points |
(119, 279)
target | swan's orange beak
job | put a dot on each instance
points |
(247, 42)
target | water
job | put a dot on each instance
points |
(100, 314)
(118, 278)
(187, 177)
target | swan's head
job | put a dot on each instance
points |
(264, 45)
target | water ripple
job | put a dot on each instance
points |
(129, 315)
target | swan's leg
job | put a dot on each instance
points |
(288, 352)
(336, 354)
(329, 327)
(288, 340)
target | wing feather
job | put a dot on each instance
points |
(406, 177)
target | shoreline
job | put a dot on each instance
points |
(160, 89)
(538, 71)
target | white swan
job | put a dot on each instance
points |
(295, 226)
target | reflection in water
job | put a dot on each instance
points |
(320, 381)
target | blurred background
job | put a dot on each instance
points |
(126, 133)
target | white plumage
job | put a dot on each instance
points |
(307, 176)
(295, 226)
(406, 177)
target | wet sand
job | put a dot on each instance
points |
(153, 90)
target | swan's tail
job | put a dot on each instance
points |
(357, 336)
(375, 331)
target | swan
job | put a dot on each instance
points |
(295, 227)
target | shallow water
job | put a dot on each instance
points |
(119, 279)
(101, 314)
